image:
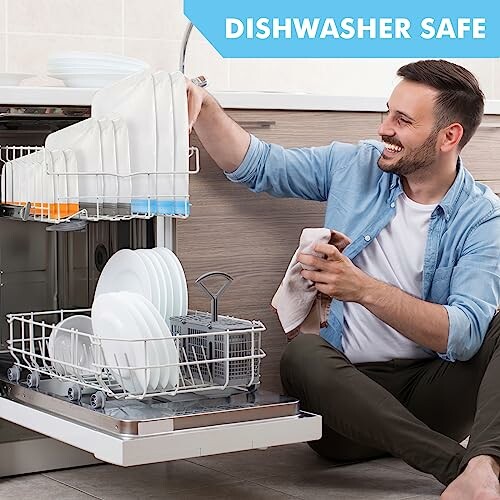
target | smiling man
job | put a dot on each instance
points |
(409, 362)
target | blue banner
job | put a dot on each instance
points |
(359, 28)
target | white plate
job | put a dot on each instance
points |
(181, 143)
(72, 180)
(13, 79)
(19, 173)
(125, 271)
(28, 181)
(155, 356)
(113, 317)
(122, 153)
(163, 348)
(170, 345)
(166, 143)
(8, 182)
(4, 182)
(133, 100)
(73, 348)
(178, 280)
(84, 139)
(166, 288)
(60, 183)
(153, 278)
(109, 183)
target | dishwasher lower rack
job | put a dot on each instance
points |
(213, 362)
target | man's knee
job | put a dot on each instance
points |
(306, 358)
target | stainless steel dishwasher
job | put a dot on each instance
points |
(48, 271)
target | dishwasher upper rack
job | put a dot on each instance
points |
(98, 206)
(29, 338)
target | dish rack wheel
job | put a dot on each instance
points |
(14, 373)
(98, 400)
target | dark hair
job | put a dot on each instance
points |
(460, 99)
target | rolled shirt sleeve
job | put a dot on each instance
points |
(474, 291)
(291, 173)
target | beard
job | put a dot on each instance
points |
(413, 160)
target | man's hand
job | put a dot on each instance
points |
(336, 275)
(224, 140)
(195, 97)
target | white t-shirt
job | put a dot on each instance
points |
(395, 257)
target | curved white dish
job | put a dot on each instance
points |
(178, 278)
(125, 271)
(164, 346)
(156, 292)
(122, 340)
(89, 81)
(154, 355)
(74, 348)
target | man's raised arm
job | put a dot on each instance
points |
(225, 141)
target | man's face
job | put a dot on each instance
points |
(408, 130)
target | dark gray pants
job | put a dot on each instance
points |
(418, 410)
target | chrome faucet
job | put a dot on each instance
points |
(185, 40)
(201, 81)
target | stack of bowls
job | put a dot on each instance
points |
(92, 70)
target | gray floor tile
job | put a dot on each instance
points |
(153, 481)
(37, 487)
(360, 481)
(240, 490)
(396, 463)
(261, 463)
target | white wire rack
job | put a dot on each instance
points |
(53, 200)
(31, 335)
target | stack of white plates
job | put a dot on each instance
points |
(137, 293)
(137, 345)
(154, 108)
(92, 70)
(98, 147)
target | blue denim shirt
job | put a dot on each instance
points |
(462, 256)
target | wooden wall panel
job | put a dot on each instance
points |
(482, 155)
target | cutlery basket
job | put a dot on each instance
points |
(234, 345)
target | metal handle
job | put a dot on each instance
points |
(200, 81)
(267, 124)
(214, 296)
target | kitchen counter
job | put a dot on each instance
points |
(59, 96)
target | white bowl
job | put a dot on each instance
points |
(73, 348)
(93, 81)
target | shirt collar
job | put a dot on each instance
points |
(449, 202)
(450, 199)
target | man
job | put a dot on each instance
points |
(410, 360)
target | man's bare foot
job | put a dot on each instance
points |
(479, 481)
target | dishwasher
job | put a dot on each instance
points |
(49, 271)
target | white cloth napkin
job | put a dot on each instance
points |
(300, 307)
(296, 295)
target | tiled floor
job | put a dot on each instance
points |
(285, 472)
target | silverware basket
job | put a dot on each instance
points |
(238, 348)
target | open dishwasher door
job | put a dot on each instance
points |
(130, 433)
